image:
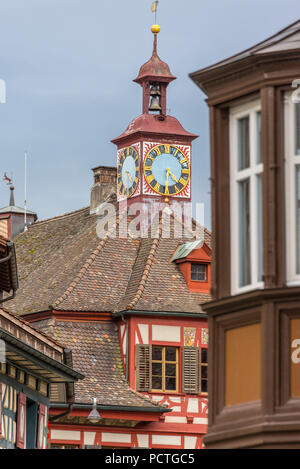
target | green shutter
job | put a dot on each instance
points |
(143, 367)
(191, 370)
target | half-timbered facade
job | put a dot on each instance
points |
(254, 381)
(29, 362)
(127, 306)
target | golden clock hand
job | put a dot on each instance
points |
(129, 176)
(167, 182)
(173, 177)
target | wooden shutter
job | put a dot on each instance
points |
(57, 392)
(0, 410)
(191, 370)
(21, 422)
(41, 427)
(143, 367)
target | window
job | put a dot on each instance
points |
(292, 184)
(203, 371)
(198, 272)
(246, 198)
(157, 369)
(164, 368)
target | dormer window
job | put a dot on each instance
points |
(194, 260)
(199, 272)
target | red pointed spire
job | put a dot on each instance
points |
(155, 68)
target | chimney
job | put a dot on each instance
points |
(105, 184)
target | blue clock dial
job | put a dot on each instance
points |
(128, 172)
(166, 169)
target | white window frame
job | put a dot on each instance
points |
(238, 112)
(291, 160)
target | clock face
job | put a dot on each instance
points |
(166, 170)
(128, 171)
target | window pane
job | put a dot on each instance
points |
(297, 130)
(198, 272)
(170, 354)
(156, 382)
(298, 218)
(244, 143)
(156, 353)
(203, 371)
(204, 355)
(259, 229)
(157, 369)
(244, 233)
(170, 369)
(258, 137)
(203, 385)
(170, 384)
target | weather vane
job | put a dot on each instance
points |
(6, 178)
(154, 9)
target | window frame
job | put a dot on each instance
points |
(203, 364)
(205, 269)
(291, 161)
(237, 176)
(164, 362)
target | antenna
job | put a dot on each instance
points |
(25, 191)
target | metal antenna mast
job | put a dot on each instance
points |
(25, 191)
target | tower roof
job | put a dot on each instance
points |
(155, 68)
(12, 208)
(149, 125)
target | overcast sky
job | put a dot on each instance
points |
(69, 65)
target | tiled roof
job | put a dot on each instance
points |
(96, 353)
(63, 264)
(49, 256)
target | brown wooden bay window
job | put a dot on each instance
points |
(158, 369)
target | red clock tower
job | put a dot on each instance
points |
(154, 152)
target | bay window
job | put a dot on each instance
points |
(292, 185)
(246, 169)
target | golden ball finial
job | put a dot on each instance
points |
(155, 28)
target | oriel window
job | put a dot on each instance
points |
(246, 169)
(292, 188)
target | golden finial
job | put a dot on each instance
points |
(155, 28)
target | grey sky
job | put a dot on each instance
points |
(69, 65)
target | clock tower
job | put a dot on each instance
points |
(154, 152)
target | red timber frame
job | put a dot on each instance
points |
(183, 428)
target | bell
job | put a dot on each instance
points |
(154, 104)
(154, 91)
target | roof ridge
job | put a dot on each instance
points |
(28, 324)
(87, 263)
(148, 265)
(63, 215)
